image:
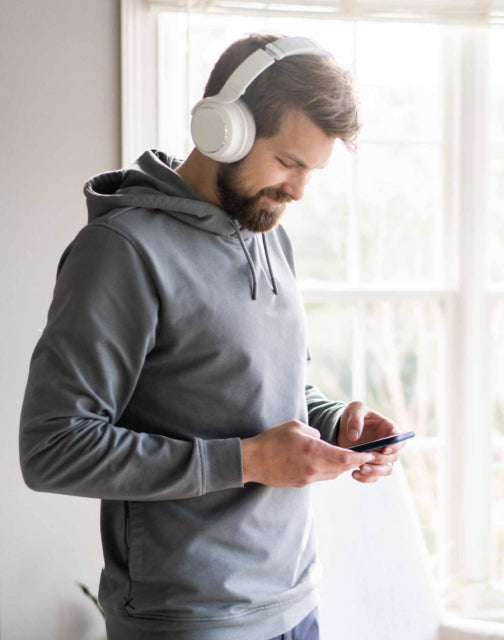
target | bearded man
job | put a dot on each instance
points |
(170, 380)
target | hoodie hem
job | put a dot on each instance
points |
(259, 624)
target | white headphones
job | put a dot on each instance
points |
(222, 126)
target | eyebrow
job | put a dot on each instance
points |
(295, 159)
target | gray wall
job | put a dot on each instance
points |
(59, 124)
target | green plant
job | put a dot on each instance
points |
(92, 597)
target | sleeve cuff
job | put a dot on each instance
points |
(221, 464)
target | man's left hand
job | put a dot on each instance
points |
(359, 424)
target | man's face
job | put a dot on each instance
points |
(256, 189)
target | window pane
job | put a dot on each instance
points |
(399, 201)
(497, 563)
(330, 337)
(403, 358)
(496, 211)
(496, 78)
(422, 470)
(497, 489)
(173, 122)
(405, 381)
(405, 368)
(400, 81)
(318, 224)
(497, 350)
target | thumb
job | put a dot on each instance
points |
(355, 420)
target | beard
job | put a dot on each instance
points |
(251, 212)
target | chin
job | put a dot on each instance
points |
(267, 219)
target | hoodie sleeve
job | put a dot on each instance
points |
(323, 414)
(101, 325)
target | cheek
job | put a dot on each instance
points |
(271, 176)
(262, 178)
(260, 170)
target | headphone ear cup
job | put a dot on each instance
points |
(223, 132)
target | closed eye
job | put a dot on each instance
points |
(285, 164)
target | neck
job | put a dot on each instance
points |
(200, 173)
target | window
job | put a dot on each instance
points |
(399, 246)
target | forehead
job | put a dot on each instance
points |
(301, 138)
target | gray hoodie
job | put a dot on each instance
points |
(173, 334)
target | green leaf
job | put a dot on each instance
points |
(88, 593)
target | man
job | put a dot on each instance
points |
(170, 379)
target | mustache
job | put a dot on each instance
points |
(274, 194)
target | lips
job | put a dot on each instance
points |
(273, 201)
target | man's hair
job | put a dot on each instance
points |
(312, 83)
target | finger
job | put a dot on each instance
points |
(364, 479)
(376, 470)
(393, 448)
(382, 458)
(345, 457)
(355, 420)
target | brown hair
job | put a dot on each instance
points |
(312, 83)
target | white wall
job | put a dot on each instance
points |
(59, 124)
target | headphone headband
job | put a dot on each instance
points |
(260, 60)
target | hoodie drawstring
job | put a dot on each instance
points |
(251, 262)
(249, 259)
(273, 283)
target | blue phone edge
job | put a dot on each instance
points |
(382, 442)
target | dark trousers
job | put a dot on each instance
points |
(307, 629)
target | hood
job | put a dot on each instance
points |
(151, 183)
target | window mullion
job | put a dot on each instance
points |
(468, 437)
(450, 444)
(353, 233)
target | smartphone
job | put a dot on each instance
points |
(382, 442)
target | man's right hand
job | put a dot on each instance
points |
(293, 455)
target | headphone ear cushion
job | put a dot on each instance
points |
(223, 132)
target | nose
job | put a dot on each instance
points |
(295, 185)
